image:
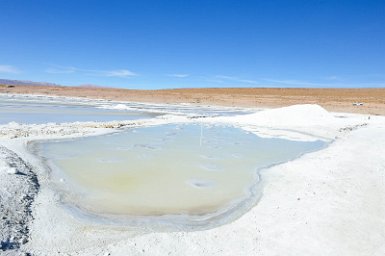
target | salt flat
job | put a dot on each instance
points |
(329, 202)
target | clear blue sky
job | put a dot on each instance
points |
(163, 44)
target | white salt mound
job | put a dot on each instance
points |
(296, 115)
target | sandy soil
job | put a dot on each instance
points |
(338, 100)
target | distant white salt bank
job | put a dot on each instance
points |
(118, 107)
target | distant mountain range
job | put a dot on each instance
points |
(23, 82)
(32, 83)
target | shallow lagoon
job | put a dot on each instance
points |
(33, 111)
(164, 170)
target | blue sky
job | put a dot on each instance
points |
(177, 44)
